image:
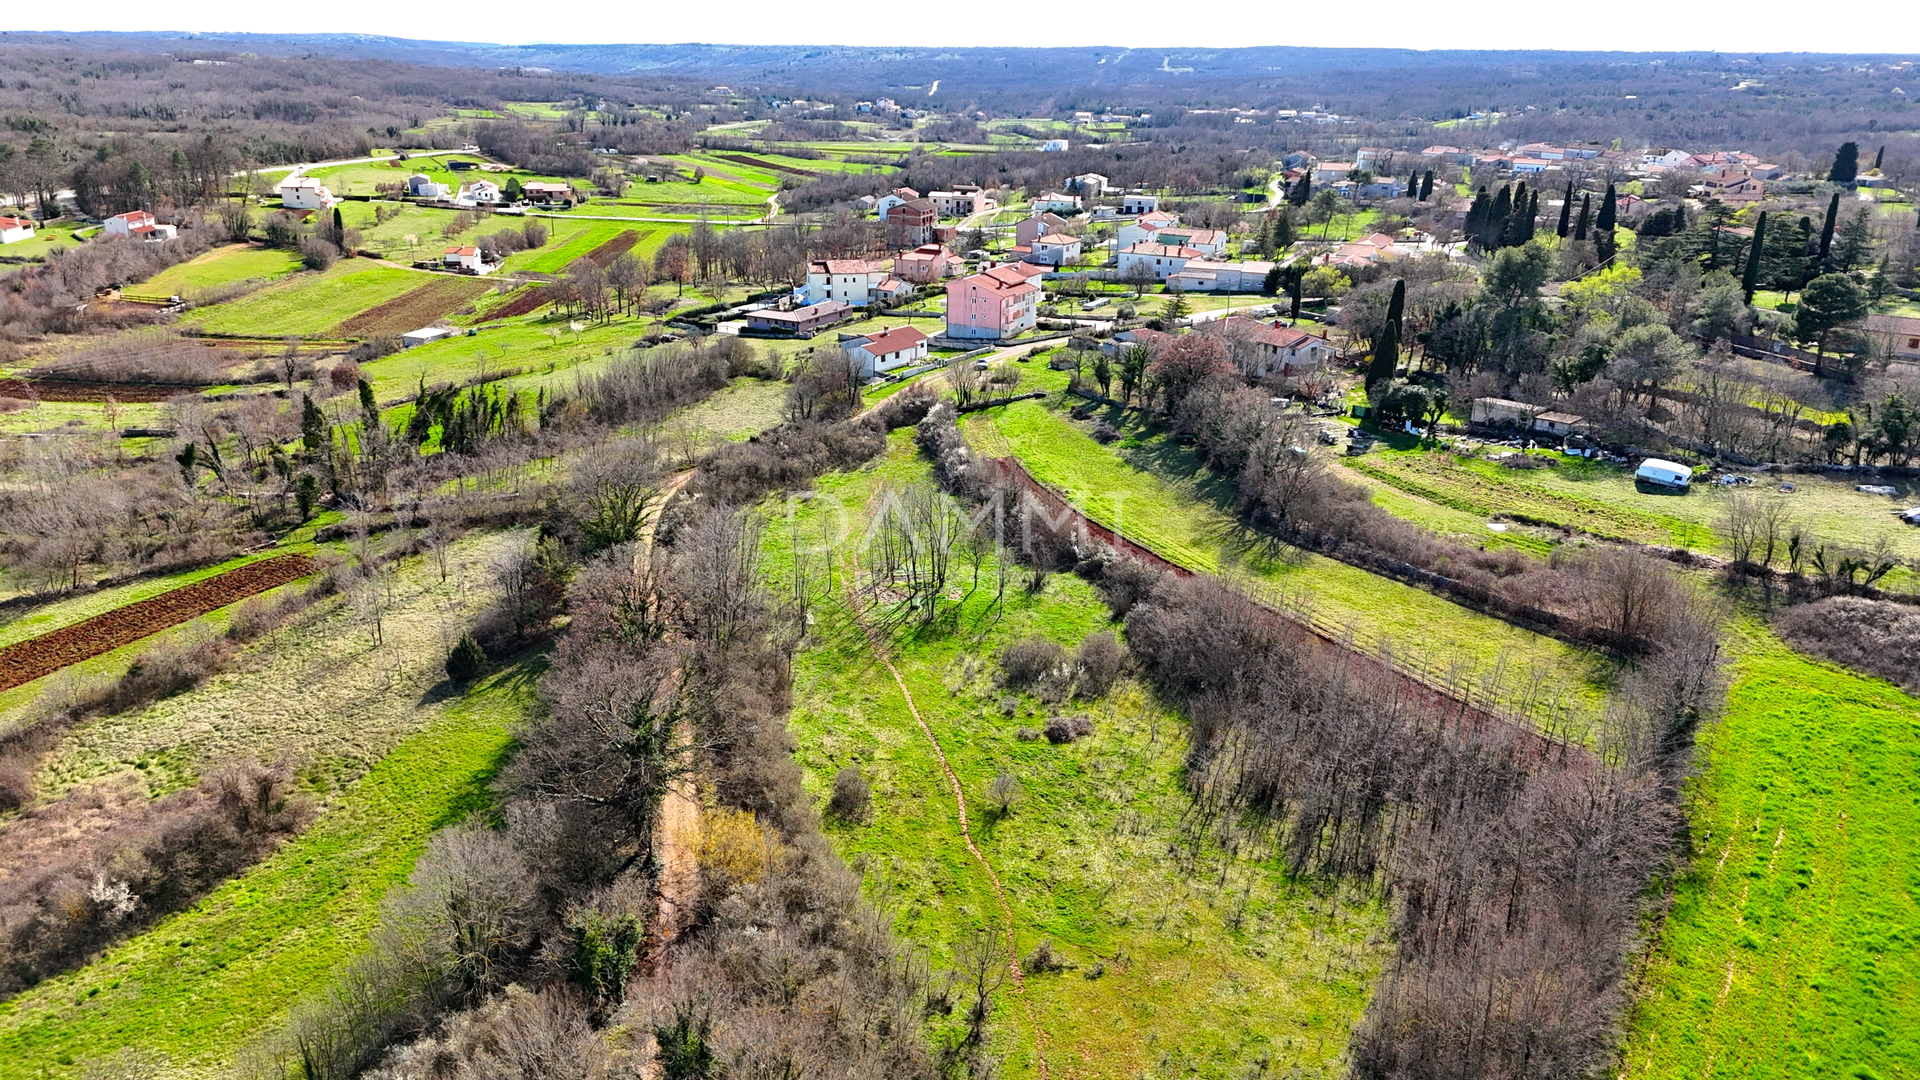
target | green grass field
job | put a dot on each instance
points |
(1185, 961)
(222, 266)
(1157, 493)
(203, 983)
(309, 305)
(1793, 945)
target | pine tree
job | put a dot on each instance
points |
(1750, 280)
(1386, 347)
(1846, 164)
(1853, 245)
(1426, 185)
(1826, 231)
(1566, 211)
(1586, 215)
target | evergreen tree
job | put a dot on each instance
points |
(313, 425)
(1566, 211)
(339, 229)
(1386, 347)
(1846, 164)
(1495, 225)
(1853, 246)
(1274, 281)
(1514, 231)
(1879, 156)
(1605, 244)
(1426, 185)
(1477, 216)
(1302, 191)
(1750, 280)
(1283, 230)
(1826, 232)
(1586, 215)
(1296, 287)
(1413, 185)
(1533, 213)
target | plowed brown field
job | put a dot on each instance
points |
(48, 653)
(410, 311)
(525, 301)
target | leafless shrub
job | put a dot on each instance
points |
(1879, 637)
(1066, 729)
(1098, 664)
(152, 356)
(1002, 793)
(1026, 662)
(851, 795)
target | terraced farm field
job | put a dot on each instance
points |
(35, 657)
(436, 299)
(557, 256)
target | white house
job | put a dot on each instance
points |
(421, 186)
(1207, 241)
(1146, 227)
(1054, 146)
(1671, 158)
(1282, 351)
(888, 350)
(1158, 260)
(1087, 184)
(466, 258)
(15, 229)
(892, 199)
(1057, 202)
(1203, 275)
(1055, 249)
(305, 193)
(1139, 204)
(851, 281)
(478, 193)
(138, 224)
(961, 203)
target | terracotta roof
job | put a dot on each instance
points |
(842, 266)
(803, 314)
(895, 340)
(1057, 238)
(132, 216)
(15, 223)
(463, 251)
(1003, 279)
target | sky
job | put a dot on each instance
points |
(1418, 24)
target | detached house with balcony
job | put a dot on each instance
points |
(927, 264)
(138, 225)
(305, 193)
(1148, 261)
(992, 305)
(855, 282)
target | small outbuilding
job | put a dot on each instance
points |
(1669, 475)
(1557, 423)
(423, 335)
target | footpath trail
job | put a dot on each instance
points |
(34, 658)
(677, 834)
(884, 652)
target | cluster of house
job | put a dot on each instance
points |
(483, 193)
(1377, 172)
(997, 303)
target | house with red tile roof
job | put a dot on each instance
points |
(890, 349)
(15, 229)
(927, 264)
(1054, 249)
(139, 225)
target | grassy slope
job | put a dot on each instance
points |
(310, 304)
(1793, 945)
(203, 982)
(222, 266)
(1211, 963)
(1167, 501)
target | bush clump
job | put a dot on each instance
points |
(851, 795)
(1025, 663)
(1066, 729)
(465, 661)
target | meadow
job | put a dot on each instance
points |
(309, 304)
(222, 266)
(1792, 945)
(1180, 958)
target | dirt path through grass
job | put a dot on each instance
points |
(881, 650)
(677, 836)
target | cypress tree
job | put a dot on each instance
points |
(1533, 212)
(1426, 185)
(1750, 280)
(1846, 164)
(1413, 185)
(1566, 211)
(1302, 191)
(1386, 347)
(1494, 227)
(1476, 216)
(339, 229)
(313, 425)
(1604, 243)
(1879, 156)
(1826, 231)
(1295, 287)
(1586, 215)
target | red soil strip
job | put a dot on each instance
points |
(56, 390)
(524, 301)
(743, 159)
(28, 660)
(614, 248)
(412, 310)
